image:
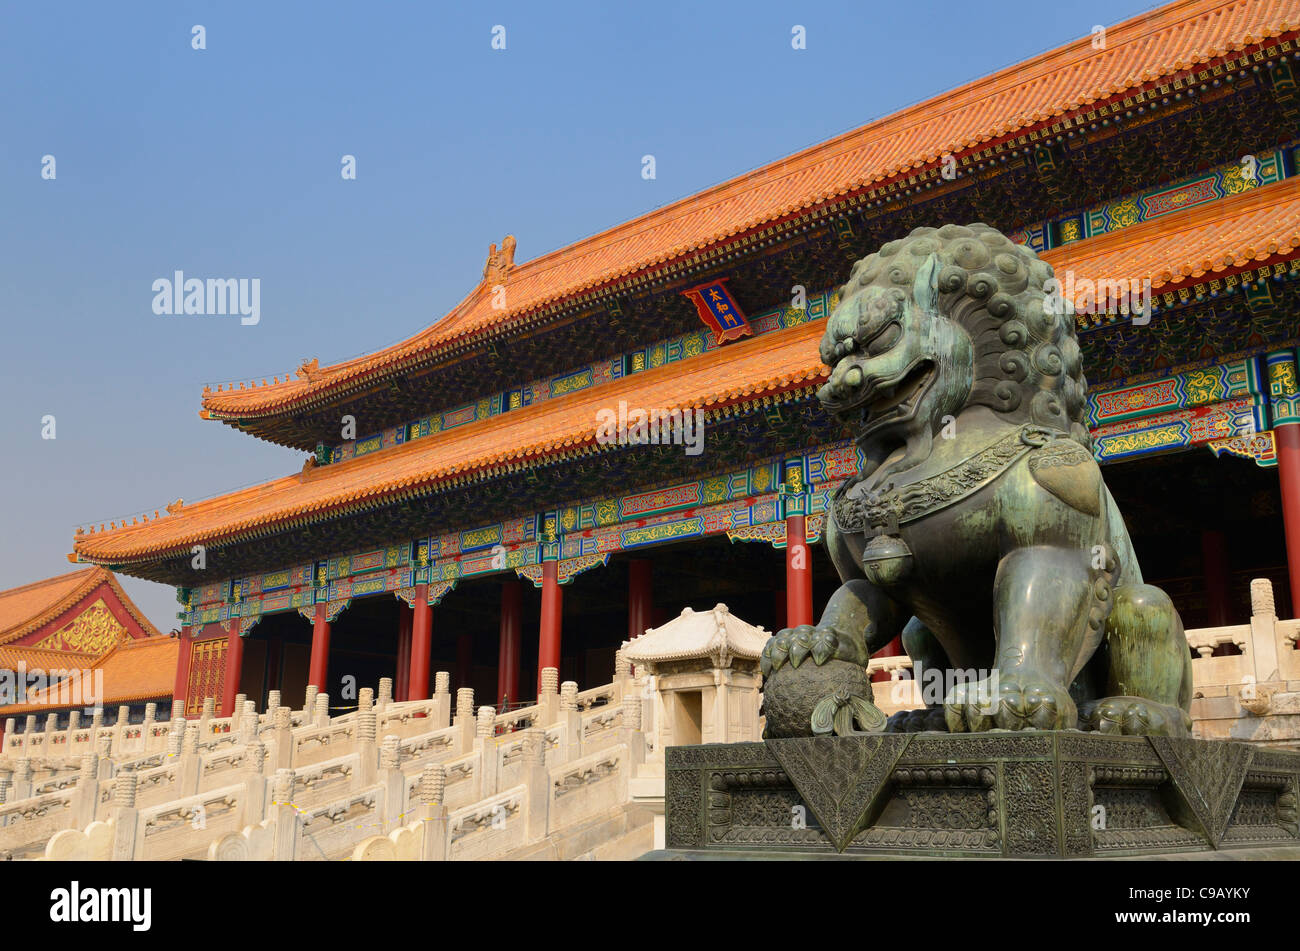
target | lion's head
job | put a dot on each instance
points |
(944, 319)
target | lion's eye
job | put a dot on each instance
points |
(884, 340)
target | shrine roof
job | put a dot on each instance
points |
(136, 669)
(717, 635)
(32, 606)
(1220, 237)
(1039, 91)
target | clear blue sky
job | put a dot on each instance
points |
(225, 163)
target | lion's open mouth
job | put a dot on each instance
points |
(898, 400)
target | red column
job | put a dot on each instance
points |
(182, 686)
(548, 647)
(319, 666)
(798, 573)
(417, 684)
(234, 669)
(640, 598)
(1288, 473)
(512, 626)
(401, 683)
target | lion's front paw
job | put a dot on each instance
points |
(1009, 702)
(1134, 716)
(796, 644)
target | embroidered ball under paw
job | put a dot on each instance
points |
(791, 693)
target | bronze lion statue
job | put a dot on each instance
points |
(979, 527)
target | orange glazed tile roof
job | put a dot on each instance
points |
(1039, 91)
(142, 668)
(45, 658)
(1231, 233)
(1226, 235)
(757, 366)
(24, 609)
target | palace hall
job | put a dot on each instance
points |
(460, 506)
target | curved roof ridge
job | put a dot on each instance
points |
(1056, 81)
(1229, 233)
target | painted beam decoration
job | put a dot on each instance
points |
(1283, 388)
(1226, 407)
(1223, 407)
(719, 311)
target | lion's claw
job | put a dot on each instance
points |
(801, 645)
(1134, 716)
(1009, 702)
(795, 645)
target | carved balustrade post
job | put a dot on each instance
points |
(366, 748)
(123, 815)
(569, 718)
(464, 721)
(255, 782)
(22, 787)
(86, 795)
(485, 745)
(433, 813)
(548, 697)
(1266, 643)
(441, 711)
(534, 775)
(191, 762)
(631, 730)
(147, 742)
(394, 783)
(285, 816)
(282, 737)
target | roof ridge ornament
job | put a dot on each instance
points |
(309, 370)
(500, 263)
(307, 468)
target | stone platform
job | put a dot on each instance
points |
(989, 795)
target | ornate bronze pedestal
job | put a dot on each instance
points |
(993, 795)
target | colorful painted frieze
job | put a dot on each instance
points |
(1283, 388)
(1232, 178)
(682, 347)
(1198, 387)
(1178, 429)
(1259, 447)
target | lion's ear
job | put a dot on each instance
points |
(925, 289)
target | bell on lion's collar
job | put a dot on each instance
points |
(886, 560)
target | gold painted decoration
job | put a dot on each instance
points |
(1282, 379)
(1125, 213)
(94, 631)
